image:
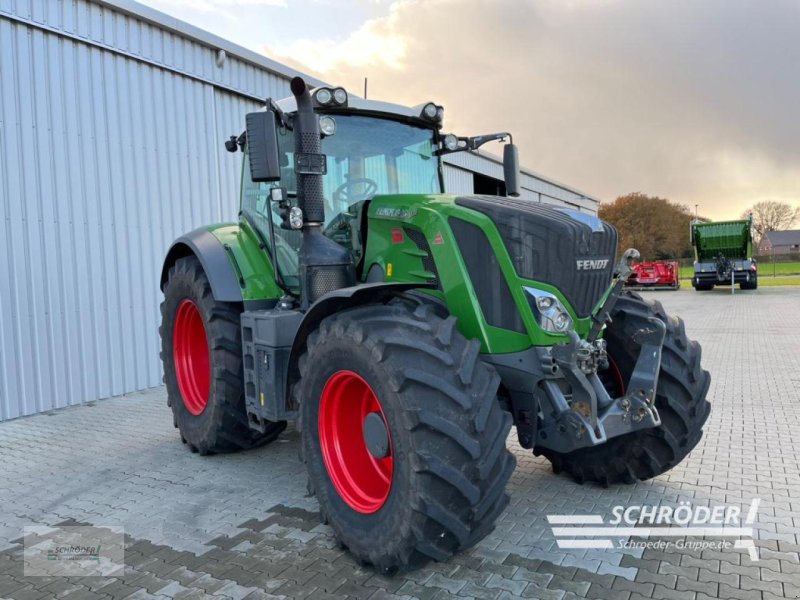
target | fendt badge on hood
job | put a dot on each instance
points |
(592, 264)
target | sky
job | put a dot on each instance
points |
(696, 101)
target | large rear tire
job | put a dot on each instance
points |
(201, 349)
(403, 436)
(680, 400)
(749, 285)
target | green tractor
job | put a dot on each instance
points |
(405, 330)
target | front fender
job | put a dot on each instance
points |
(339, 300)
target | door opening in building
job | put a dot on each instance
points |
(488, 185)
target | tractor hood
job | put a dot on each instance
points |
(572, 251)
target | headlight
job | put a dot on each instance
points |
(548, 310)
(296, 217)
(327, 125)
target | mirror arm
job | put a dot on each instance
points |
(476, 142)
(473, 143)
(285, 120)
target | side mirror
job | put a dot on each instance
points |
(511, 169)
(262, 146)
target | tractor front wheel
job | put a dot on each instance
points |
(402, 434)
(201, 349)
(680, 400)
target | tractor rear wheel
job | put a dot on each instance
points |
(703, 287)
(749, 285)
(402, 434)
(201, 349)
(680, 400)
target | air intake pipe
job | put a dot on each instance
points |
(307, 148)
(325, 266)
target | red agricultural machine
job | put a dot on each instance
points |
(659, 274)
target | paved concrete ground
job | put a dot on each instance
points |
(241, 526)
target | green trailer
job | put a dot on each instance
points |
(724, 255)
(406, 330)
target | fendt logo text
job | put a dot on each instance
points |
(592, 264)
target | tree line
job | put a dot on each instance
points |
(659, 228)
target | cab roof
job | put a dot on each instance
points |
(377, 108)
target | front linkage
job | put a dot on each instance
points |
(591, 416)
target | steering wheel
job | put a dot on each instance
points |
(346, 193)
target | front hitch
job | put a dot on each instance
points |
(582, 413)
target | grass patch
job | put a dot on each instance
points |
(686, 284)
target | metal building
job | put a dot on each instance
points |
(111, 121)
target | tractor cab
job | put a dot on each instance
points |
(367, 149)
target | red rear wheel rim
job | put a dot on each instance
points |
(192, 360)
(361, 480)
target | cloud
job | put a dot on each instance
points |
(695, 101)
(376, 44)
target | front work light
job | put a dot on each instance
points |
(450, 142)
(323, 96)
(327, 125)
(340, 96)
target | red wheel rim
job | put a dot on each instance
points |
(192, 360)
(361, 480)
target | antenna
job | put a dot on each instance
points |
(365, 88)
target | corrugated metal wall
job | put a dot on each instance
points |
(105, 126)
(458, 181)
(533, 187)
(111, 122)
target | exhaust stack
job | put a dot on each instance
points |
(308, 152)
(325, 266)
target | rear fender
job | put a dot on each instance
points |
(222, 276)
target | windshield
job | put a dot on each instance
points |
(367, 156)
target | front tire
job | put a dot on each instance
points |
(201, 349)
(403, 436)
(680, 400)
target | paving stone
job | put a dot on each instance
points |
(510, 585)
(690, 585)
(726, 591)
(416, 590)
(242, 523)
(748, 583)
(638, 586)
(540, 593)
(473, 590)
(597, 591)
(662, 593)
